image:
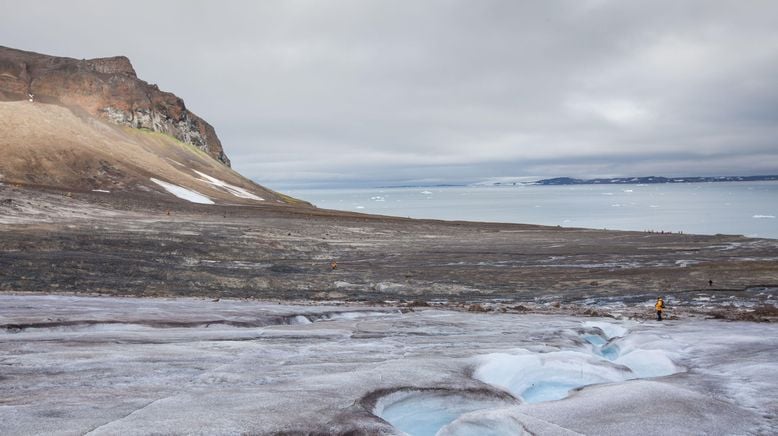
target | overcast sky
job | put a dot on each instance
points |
(376, 93)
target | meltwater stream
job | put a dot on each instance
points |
(608, 355)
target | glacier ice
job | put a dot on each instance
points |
(424, 413)
(74, 365)
(536, 377)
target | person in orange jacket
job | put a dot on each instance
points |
(660, 306)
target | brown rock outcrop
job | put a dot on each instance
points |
(107, 88)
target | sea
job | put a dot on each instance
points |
(739, 208)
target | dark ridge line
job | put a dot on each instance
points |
(651, 180)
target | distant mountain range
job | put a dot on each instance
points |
(651, 180)
(602, 181)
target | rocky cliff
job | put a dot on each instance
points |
(107, 88)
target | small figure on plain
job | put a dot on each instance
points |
(660, 306)
(710, 283)
(334, 265)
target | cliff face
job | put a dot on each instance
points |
(107, 88)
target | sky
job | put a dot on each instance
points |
(371, 93)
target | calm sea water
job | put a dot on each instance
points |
(746, 208)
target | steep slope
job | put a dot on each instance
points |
(49, 145)
(93, 125)
(107, 88)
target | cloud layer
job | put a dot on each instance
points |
(384, 92)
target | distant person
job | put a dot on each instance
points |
(660, 306)
(710, 283)
(334, 265)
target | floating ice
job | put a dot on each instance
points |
(232, 189)
(377, 198)
(183, 193)
(426, 192)
(764, 216)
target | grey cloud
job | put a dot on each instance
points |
(383, 92)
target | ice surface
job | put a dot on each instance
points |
(611, 330)
(75, 365)
(644, 407)
(648, 363)
(232, 189)
(500, 422)
(183, 193)
(595, 340)
(425, 413)
(537, 377)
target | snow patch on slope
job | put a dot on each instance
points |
(232, 189)
(183, 193)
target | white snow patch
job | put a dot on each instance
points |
(183, 193)
(683, 263)
(232, 189)
(101, 190)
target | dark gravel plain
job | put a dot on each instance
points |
(54, 241)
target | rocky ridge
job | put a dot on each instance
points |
(107, 88)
